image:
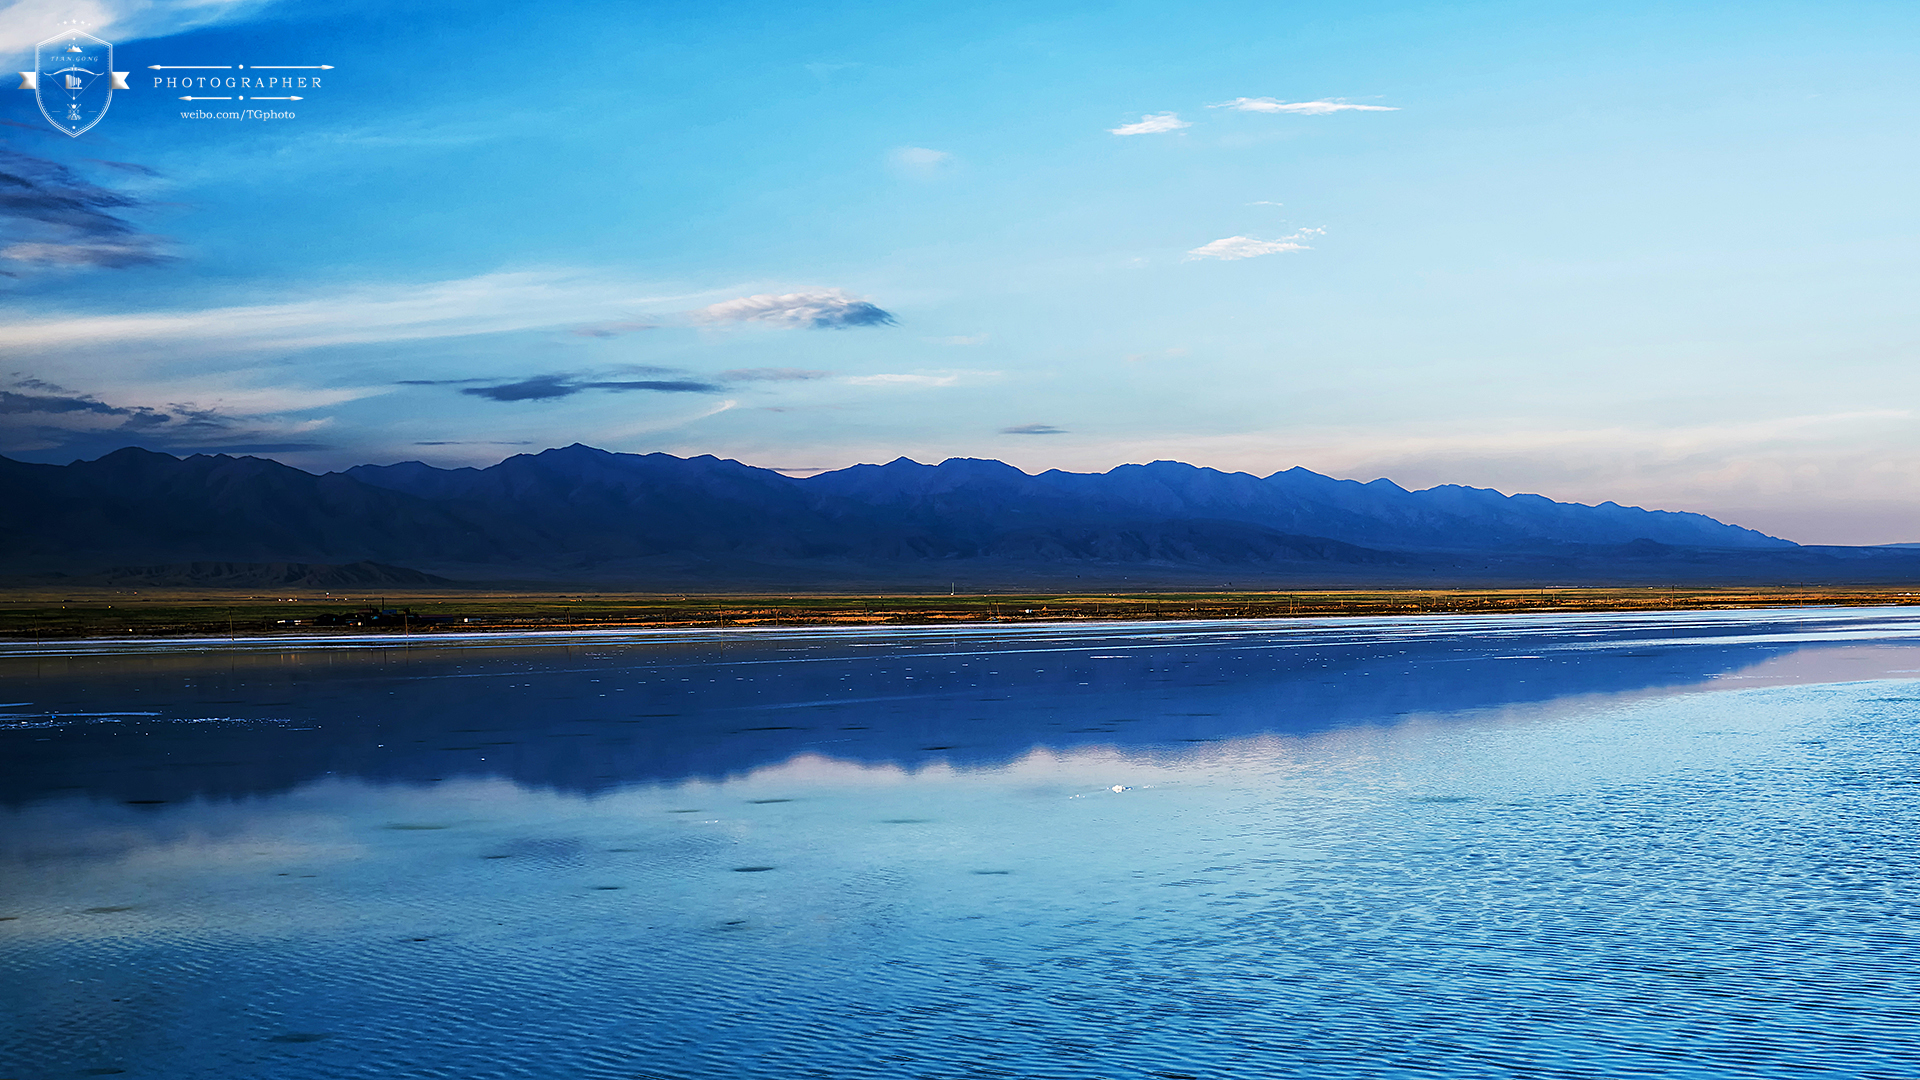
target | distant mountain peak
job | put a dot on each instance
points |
(582, 506)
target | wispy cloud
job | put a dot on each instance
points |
(666, 423)
(825, 309)
(920, 160)
(1246, 247)
(960, 339)
(38, 415)
(613, 329)
(489, 303)
(903, 380)
(1298, 108)
(111, 255)
(1152, 124)
(51, 217)
(1033, 429)
(37, 395)
(593, 303)
(773, 374)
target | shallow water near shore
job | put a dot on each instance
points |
(1600, 845)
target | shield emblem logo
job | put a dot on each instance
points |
(73, 80)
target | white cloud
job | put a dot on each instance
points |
(356, 315)
(252, 401)
(139, 250)
(822, 309)
(925, 378)
(23, 23)
(1152, 124)
(903, 380)
(1246, 247)
(1243, 247)
(1298, 108)
(490, 303)
(666, 424)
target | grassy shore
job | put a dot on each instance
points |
(106, 613)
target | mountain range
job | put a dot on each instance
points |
(582, 515)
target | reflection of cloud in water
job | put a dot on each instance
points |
(337, 852)
(1826, 664)
(1372, 842)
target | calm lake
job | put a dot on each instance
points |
(1675, 845)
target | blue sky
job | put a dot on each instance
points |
(1656, 253)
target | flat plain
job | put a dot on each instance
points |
(43, 613)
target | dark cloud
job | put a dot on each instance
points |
(48, 421)
(665, 386)
(1033, 429)
(50, 216)
(58, 400)
(11, 402)
(858, 314)
(125, 166)
(52, 400)
(773, 374)
(538, 388)
(548, 387)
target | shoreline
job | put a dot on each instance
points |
(101, 614)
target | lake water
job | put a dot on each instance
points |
(1677, 845)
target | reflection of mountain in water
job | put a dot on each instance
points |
(592, 715)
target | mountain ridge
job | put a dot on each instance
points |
(589, 514)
